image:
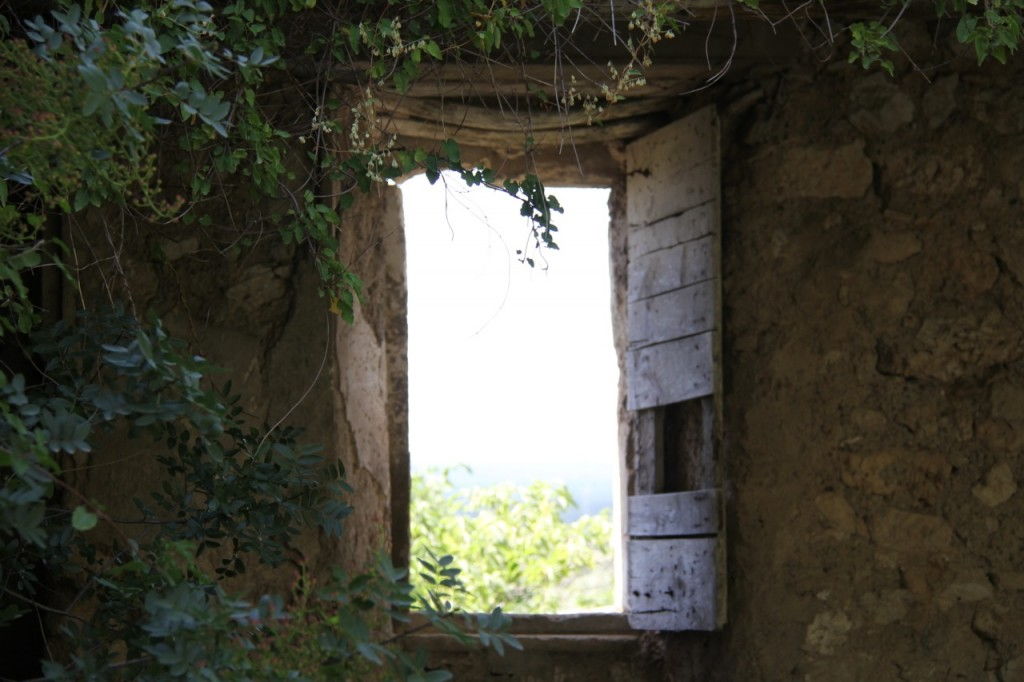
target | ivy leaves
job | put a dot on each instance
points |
(193, 100)
(82, 519)
(245, 491)
(871, 42)
(993, 27)
(110, 87)
(242, 491)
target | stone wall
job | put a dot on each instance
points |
(255, 313)
(874, 429)
(873, 256)
(874, 259)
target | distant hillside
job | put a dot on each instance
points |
(592, 493)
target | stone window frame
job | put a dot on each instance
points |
(644, 439)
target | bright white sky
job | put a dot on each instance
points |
(512, 369)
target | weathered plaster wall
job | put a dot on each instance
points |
(873, 264)
(372, 400)
(874, 374)
(255, 312)
(874, 310)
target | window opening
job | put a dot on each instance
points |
(513, 390)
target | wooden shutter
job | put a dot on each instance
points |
(672, 204)
(675, 553)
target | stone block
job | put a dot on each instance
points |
(968, 587)
(887, 606)
(827, 632)
(920, 475)
(939, 100)
(815, 173)
(880, 107)
(998, 487)
(838, 514)
(911, 532)
(888, 248)
(1008, 401)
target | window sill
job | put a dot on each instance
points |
(570, 632)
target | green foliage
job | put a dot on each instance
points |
(992, 27)
(227, 481)
(230, 494)
(524, 556)
(89, 98)
(21, 253)
(169, 112)
(187, 627)
(870, 43)
(397, 40)
(93, 99)
(81, 112)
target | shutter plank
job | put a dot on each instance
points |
(672, 315)
(689, 225)
(668, 269)
(671, 372)
(677, 188)
(676, 584)
(647, 453)
(675, 552)
(696, 512)
(659, 165)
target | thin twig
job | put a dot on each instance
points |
(38, 605)
(790, 14)
(99, 512)
(109, 666)
(615, 34)
(903, 9)
(828, 23)
(309, 389)
(42, 632)
(707, 37)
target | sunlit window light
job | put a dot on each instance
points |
(513, 379)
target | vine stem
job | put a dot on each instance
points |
(302, 398)
(899, 16)
(109, 666)
(418, 628)
(41, 606)
(99, 512)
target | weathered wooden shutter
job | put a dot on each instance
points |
(675, 552)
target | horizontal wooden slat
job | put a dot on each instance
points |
(546, 623)
(668, 269)
(683, 188)
(696, 512)
(711, 9)
(673, 315)
(502, 140)
(451, 112)
(675, 584)
(668, 232)
(673, 169)
(689, 140)
(490, 79)
(624, 645)
(668, 86)
(671, 372)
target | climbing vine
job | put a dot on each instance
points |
(170, 113)
(92, 92)
(238, 491)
